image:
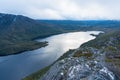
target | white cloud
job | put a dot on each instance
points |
(43, 13)
(63, 9)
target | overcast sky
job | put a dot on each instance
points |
(63, 9)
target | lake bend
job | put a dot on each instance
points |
(15, 67)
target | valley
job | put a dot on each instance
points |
(96, 59)
(30, 49)
(18, 33)
(59, 40)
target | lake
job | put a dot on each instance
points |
(15, 67)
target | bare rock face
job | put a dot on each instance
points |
(95, 60)
(80, 68)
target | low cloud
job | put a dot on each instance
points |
(63, 9)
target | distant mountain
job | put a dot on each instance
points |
(98, 59)
(21, 26)
(17, 31)
(84, 24)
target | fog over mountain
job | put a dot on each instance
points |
(63, 9)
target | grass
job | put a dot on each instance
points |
(115, 61)
(108, 60)
(37, 75)
(21, 47)
(111, 48)
(80, 54)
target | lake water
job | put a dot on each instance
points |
(15, 67)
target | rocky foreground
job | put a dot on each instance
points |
(96, 60)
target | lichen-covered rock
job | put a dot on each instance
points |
(96, 60)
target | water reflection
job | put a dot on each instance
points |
(15, 67)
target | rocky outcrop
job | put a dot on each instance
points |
(90, 62)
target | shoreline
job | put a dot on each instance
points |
(27, 47)
(42, 71)
(30, 45)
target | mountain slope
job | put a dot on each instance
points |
(95, 60)
(24, 26)
(85, 25)
(17, 33)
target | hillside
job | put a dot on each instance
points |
(97, 59)
(85, 25)
(17, 33)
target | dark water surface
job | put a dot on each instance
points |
(15, 67)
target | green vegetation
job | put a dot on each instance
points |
(114, 61)
(17, 34)
(21, 47)
(111, 48)
(109, 44)
(65, 55)
(106, 40)
(16, 30)
(108, 60)
(101, 41)
(82, 54)
(37, 75)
